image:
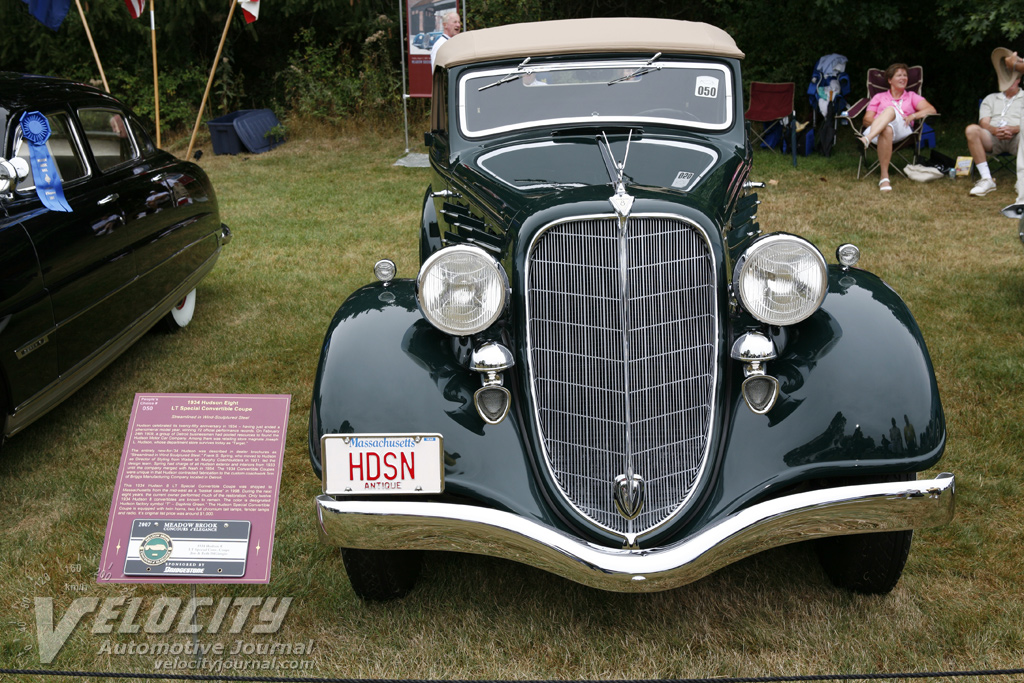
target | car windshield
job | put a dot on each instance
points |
(693, 94)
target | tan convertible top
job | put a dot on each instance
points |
(577, 36)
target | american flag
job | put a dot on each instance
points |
(251, 8)
(135, 7)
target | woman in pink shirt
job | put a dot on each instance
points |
(890, 117)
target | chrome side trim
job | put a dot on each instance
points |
(68, 383)
(401, 525)
(34, 344)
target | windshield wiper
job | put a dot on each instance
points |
(640, 71)
(512, 75)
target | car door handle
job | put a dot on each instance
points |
(106, 200)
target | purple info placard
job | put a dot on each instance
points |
(191, 462)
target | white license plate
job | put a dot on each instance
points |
(373, 464)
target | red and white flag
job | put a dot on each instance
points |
(251, 8)
(135, 7)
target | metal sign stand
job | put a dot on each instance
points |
(405, 93)
(411, 159)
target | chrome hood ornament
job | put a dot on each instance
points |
(627, 488)
(620, 201)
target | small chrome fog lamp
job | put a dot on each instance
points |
(760, 390)
(492, 400)
(385, 270)
(847, 255)
(492, 403)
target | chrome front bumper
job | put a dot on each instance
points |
(404, 525)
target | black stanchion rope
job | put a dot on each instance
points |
(307, 679)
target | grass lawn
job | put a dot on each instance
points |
(310, 218)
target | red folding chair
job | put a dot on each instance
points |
(770, 103)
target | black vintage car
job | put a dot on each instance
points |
(102, 236)
(603, 368)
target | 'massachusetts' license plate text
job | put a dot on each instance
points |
(361, 464)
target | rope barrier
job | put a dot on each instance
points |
(303, 679)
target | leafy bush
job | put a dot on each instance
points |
(319, 81)
(178, 98)
(379, 77)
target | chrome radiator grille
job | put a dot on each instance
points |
(580, 367)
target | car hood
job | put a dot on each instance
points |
(555, 165)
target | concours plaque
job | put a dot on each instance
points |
(215, 548)
(197, 490)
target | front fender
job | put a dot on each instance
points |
(857, 398)
(384, 369)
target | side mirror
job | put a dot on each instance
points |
(428, 138)
(12, 172)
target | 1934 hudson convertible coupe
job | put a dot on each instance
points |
(603, 368)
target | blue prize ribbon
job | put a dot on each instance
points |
(35, 129)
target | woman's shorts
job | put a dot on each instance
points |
(900, 128)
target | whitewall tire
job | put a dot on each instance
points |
(181, 315)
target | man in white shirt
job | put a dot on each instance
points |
(996, 132)
(452, 26)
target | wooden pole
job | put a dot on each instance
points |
(95, 54)
(156, 81)
(209, 83)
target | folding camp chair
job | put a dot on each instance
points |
(827, 93)
(1002, 162)
(996, 163)
(876, 83)
(770, 103)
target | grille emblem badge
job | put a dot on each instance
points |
(628, 492)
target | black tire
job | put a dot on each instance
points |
(179, 316)
(867, 563)
(382, 574)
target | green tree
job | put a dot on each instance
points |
(351, 62)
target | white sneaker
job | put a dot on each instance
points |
(983, 187)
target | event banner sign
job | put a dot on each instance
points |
(197, 490)
(423, 24)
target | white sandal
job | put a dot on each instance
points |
(885, 188)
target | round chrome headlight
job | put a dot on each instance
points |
(461, 290)
(781, 279)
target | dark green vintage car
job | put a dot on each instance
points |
(102, 236)
(603, 368)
